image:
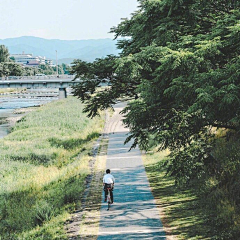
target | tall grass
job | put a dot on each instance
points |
(43, 165)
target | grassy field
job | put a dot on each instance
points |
(43, 165)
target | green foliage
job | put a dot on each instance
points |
(66, 68)
(46, 69)
(180, 67)
(182, 210)
(44, 211)
(49, 70)
(29, 71)
(42, 179)
(4, 54)
(10, 69)
(220, 189)
(7, 65)
(110, 72)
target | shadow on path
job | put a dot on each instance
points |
(134, 214)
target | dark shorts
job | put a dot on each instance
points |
(106, 186)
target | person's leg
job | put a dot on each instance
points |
(106, 192)
(111, 194)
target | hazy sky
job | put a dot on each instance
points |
(62, 19)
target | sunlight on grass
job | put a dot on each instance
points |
(44, 162)
(48, 231)
(179, 208)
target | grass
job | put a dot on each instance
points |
(44, 162)
(90, 223)
(180, 209)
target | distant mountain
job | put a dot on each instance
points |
(67, 50)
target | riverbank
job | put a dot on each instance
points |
(10, 117)
(44, 163)
(18, 114)
(6, 122)
(11, 103)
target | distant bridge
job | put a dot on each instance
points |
(41, 82)
(38, 77)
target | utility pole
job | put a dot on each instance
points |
(56, 64)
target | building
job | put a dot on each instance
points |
(28, 59)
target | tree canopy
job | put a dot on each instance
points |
(180, 66)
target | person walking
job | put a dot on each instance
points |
(108, 182)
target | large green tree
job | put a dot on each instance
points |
(179, 64)
(179, 69)
(181, 59)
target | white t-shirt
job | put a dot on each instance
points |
(108, 178)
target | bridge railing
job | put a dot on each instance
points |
(47, 77)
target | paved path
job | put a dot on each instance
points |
(134, 214)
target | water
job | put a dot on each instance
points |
(10, 103)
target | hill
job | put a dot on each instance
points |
(67, 50)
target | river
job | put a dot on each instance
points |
(9, 103)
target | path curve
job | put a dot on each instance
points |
(134, 214)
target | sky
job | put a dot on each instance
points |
(63, 19)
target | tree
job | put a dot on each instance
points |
(4, 54)
(10, 69)
(111, 72)
(66, 68)
(7, 65)
(46, 69)
(180, 67)
(4, 71)
(29, 71)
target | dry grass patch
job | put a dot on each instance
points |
(90, 222)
